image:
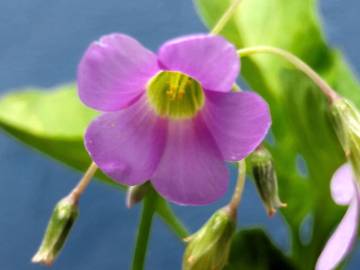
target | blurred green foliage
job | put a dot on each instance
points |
(304, 146)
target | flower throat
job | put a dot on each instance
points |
(175, 95)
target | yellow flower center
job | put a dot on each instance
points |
(175, 95)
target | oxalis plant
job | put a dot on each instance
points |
(164, 127)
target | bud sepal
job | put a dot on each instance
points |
(265, 178)
(209, 247)
(62, 219)
(346, 119)
(136, 193)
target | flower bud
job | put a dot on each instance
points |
(347, 127)
(209, 247)
(136, 193)
(265, 179)
(61, 221)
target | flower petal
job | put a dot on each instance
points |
(341, 242)
(342, 185)
(238, 121)
(114, 71)
(128, 144)
(211, 60)
(191, 170)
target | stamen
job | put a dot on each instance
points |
(174, 94)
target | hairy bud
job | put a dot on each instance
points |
(209, 247)
(347, 127)
(266, 179)
(61, 221)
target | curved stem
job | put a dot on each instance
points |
(84, 182)
(236, 198)
(144, 229)
(225, 17)
(297, 62)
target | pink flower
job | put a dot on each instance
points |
(170, 118)
(345, 191)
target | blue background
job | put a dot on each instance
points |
(41, 42)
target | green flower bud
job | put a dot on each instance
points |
(136, 193)
(61, 221)
(265, 179)
(209, 247)
(347, 127)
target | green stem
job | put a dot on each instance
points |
(144, 231)
(84, 182)
(297, 62)
(236, 198)
(165, 212)
(225, 18)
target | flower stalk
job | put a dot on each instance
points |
(144, 230)
(165, 212)
(225, 17)
(298, 63)
(237, 195)
(84, 181)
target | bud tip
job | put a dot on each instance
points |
(136, 193)
(43, 259)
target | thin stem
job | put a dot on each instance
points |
(297, 62)
(236, 198)
(144, 231)
(225, 17)
(165, 212)
(84, 182)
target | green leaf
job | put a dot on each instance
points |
(301, 128)
(252, 249)
(51, 121)
(55, 113)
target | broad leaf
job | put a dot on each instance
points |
(51, 121)
(301, 127)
